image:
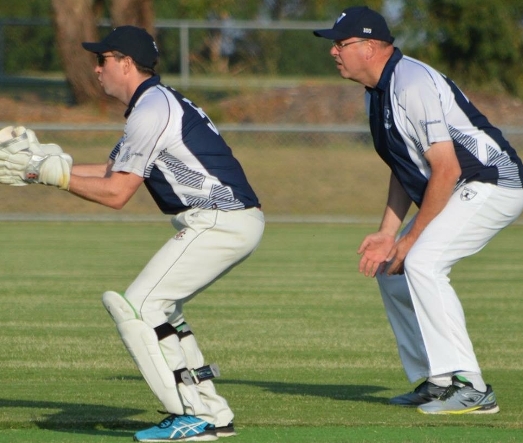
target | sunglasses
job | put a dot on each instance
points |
(100, 59)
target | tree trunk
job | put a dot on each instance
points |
(133, 12)
(75, 23)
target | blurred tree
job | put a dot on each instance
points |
(205, 9)
(311, 9)
(212, 50)
(477, 43)
(76, 22)
(291, 51)
(29, 48)
(234, 50)
(133, 12)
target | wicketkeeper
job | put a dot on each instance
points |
(169, 144)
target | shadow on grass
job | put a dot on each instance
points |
(364, 393)
(109, 421)
(80, 418)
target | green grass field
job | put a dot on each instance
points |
(301, 338)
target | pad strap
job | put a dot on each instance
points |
(185, 376)
(165, 330)
(196, 376)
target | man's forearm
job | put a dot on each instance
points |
(398, 204)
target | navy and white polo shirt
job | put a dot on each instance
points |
(184, 160)
(413, 106)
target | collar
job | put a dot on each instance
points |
(150, 82)
(387, 71)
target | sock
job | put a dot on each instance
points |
(474, 378)
(442, 380)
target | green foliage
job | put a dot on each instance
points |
(254, 9)
(35, 49)
(168, 41)
(479, 43)
(205, 9)
(28, 8)
(30, 47)
(300, 55)
(291, 52)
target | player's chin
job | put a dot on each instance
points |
(342, 71)
(106, 90)
(345, 75)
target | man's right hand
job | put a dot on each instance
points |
(374, 251)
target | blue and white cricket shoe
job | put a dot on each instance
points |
(178, 428)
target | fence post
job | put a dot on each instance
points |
(2, 48)
(184, 54)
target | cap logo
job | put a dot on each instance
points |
(367, 30)
(340, 17)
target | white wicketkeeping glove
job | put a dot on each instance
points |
(6, 134)
(14, 155)
(23, 160)
(52, 170)
(35, 146)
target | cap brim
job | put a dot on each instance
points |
(331, 34)
(96, 47)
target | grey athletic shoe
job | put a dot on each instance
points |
(462, 398)
(424, 393)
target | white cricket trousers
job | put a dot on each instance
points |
(423, 309)
(207, 245)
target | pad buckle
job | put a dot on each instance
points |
(196, 376)
(205, 373)
(183, 376)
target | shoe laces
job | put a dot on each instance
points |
(457, 384)
(449, 392)
(167, 421)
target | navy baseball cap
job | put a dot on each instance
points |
(135, 42)
(358, 21)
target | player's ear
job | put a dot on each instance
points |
(128, 64)
(372, 47)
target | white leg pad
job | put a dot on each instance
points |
(142, 343)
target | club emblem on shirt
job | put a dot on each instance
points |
(467, 194)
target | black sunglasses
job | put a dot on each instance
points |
(100, 59)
